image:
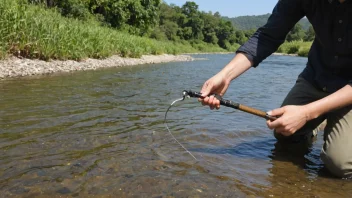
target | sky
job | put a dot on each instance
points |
(232, 8)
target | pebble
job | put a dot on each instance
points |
(16, 67)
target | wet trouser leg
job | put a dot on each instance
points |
(337, 150)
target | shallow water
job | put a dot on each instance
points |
(101, 133)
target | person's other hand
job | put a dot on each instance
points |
(291, 119)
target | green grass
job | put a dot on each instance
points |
(295, 47)
(35, 32)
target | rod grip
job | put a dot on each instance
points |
(256, 112)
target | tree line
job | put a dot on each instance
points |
(158, 20)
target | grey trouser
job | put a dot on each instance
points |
(337, 150)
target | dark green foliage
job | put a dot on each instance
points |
(70, 8)
(240, 37)
(60, 38)
(304, 52)
(293, 49)
(158, 20)
(248, 22)
(190, 9)
(136, 16)
(254, 22)
(34, 32)
(297, 33)
(73, 8)
(310, 34)
(249, 33)
(158, 34)
(190, 24)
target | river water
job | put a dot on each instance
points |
(101, 134)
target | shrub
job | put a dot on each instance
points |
(294, 47)
(304, 52)
(32, 31)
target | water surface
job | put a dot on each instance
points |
(101, 133)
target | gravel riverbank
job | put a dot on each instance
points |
(16, 67)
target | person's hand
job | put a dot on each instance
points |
(291, 119)
(215, 85)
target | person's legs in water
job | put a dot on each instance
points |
(301, 94)
(337, 150)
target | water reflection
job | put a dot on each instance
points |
(256, 149)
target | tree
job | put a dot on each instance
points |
(170, 29)
(240, 37)
(190, 8)
(310, 34)
(249, 33)
(139, 14)
(48, 3)
(297, 33)
(210, 28)
(217, 15)
(225, 31)
(197, 25)
(155, 19)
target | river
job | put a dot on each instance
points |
(101, 134)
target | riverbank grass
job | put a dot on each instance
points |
(35, 32)
(295, 47)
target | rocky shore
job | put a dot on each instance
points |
(283, 54)
(17, 67)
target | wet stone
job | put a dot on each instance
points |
(111, 171)
(19, 190)
(64, 191)
(41, 173)
(128, 175)
(59, 179)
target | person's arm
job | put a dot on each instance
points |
(267, 39)
(263, 43)
(295, 117)
(220, 82)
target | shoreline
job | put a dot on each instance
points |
(283, 54)
(196, 53)
(275, 53)
(13, 67)
(16, 67)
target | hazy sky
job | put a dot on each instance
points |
(232, 8)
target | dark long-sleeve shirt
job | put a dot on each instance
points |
(329, 65)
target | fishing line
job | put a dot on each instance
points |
(227, 103)
(167, 127)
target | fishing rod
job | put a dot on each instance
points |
(227, 103)
(231, 104)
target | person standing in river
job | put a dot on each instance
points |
(323, 91)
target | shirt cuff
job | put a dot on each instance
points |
(250, 57)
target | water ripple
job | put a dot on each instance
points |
(101, 133)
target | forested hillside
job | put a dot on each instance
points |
(254, 22)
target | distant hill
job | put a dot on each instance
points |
(254, 22)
